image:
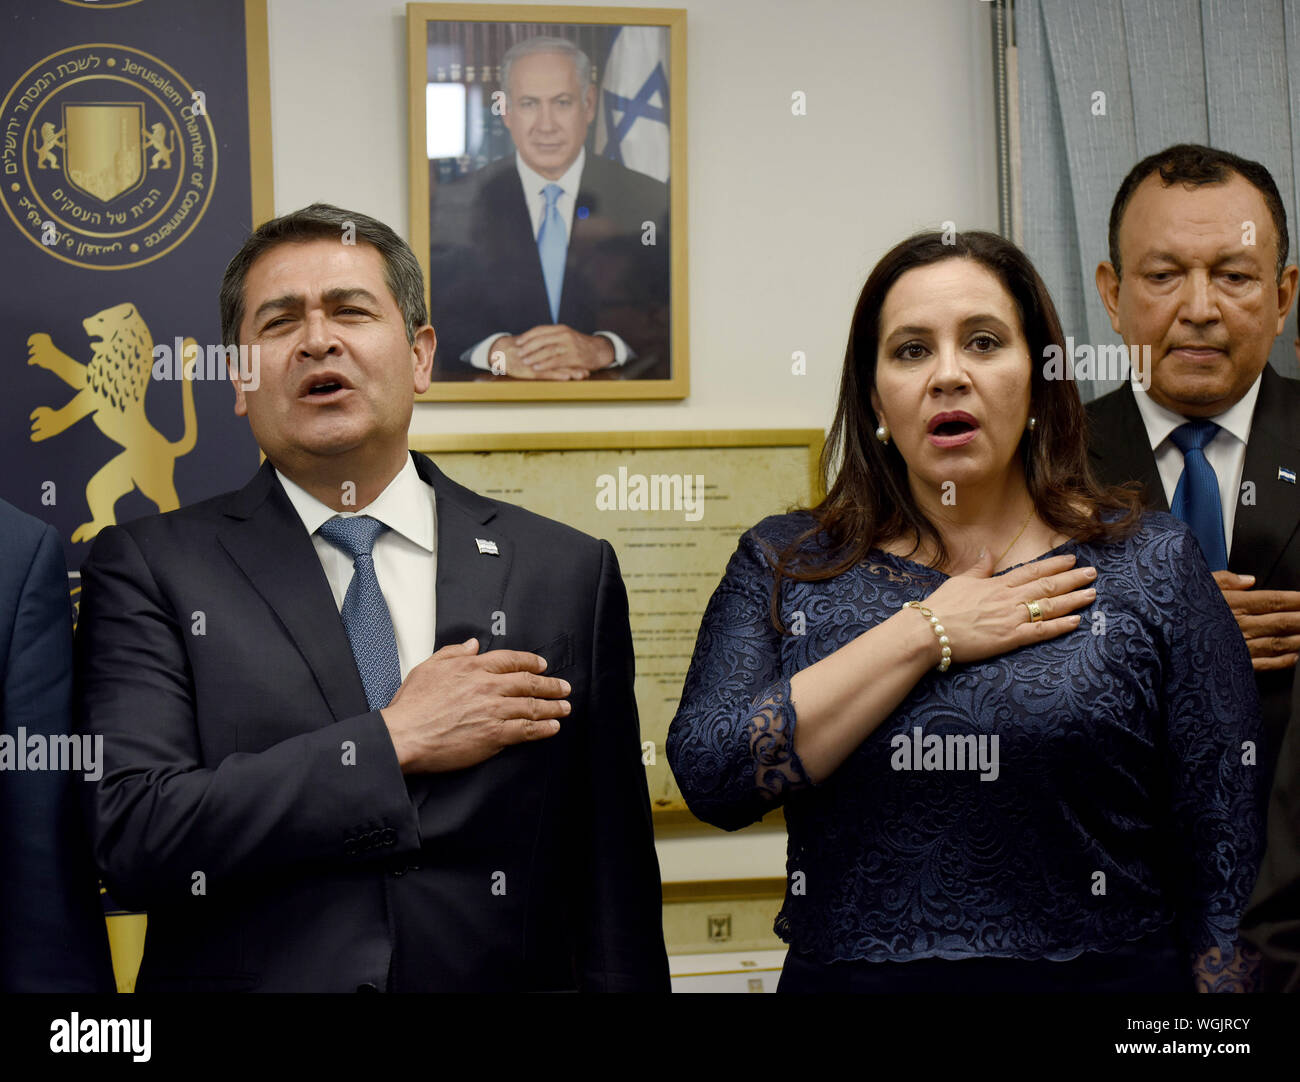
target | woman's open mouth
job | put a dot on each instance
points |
(951, 429)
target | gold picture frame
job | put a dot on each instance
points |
(260, 159)
(670, 564)
(468, 210)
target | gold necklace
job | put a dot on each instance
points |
(1023, 526)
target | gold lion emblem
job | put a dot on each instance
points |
(161, 143)
(49, 142)
(111, 389)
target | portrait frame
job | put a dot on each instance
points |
(659, 372)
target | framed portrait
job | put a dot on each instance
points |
(673, 505)
(548, 199)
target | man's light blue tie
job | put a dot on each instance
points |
(1196, 499)
(552, 246)
(365, 613)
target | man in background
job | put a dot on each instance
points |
(551, 264)
(52, 932)
(1198, 273)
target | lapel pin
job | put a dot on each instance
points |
(1283, 474)
(486, 548)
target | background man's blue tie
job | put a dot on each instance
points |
(365, 613)
(1196, 499)
(552, 245)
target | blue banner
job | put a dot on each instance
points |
(126, 180)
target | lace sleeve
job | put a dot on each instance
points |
(1218, 790)
(731, 745)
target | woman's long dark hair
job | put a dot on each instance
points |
(870, 501)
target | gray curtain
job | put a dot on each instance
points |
(1221, 72)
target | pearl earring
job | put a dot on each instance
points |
(882, 433)
(1033, 423)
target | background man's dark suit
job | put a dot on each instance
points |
(1265, 538)
(226, 755)
(52, 935)
(485, 275)
(1272, 922)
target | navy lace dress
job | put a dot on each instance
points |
(1118, 806)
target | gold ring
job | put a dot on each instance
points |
(1035, 613)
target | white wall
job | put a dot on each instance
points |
(787, 214)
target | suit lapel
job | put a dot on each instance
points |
(508, 224)
(1263, 529)
(1120, 449)
(591, 229)
(471, 576)
(577, 260)
(267, 540)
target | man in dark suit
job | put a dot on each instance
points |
(551, 264)
(299, 794)
(52, 934)
(1198, 274)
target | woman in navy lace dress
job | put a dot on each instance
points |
(1010, 717)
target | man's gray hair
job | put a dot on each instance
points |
(546, 45)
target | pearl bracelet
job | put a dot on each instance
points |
(937, 627)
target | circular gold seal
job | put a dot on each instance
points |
(99, 6)
(109, 157)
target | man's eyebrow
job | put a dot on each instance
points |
(275, 304)
(1159, 257)
(350, 293)
(334, 296)
(1247, 252)
(1240, 252)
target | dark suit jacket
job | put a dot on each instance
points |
(1272, 921)
(485, 274)
(254, 805)
(1266, 544)
(52, 935)
(1265, 538)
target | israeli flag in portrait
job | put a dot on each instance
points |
(632, 123)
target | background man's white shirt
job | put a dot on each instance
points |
(1226, 453)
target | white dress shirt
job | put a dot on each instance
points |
(1226, 453)
(405, 555)
(566, 205)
